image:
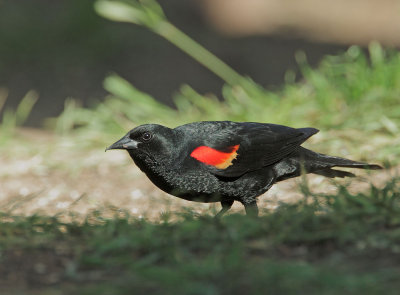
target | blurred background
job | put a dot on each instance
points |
(64, 49)
(331, 65)
(74, 216)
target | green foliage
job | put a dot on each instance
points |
(341, 243)
(14, 118)
(350, 90)
(149, 14)
(347, 92)
(146, 12)
(353, 86)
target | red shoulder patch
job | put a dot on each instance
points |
(213, 157)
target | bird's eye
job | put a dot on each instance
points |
(146, 136)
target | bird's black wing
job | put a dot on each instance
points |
(249, 147)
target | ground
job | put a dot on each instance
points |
(345, 242)
(54, 177)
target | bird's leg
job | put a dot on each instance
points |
(251, 208)
(226, 205)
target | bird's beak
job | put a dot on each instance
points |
(125, 143)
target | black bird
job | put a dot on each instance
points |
(223, 161)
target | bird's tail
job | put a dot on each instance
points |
(342, 162)
(328, 172)
(322, 164)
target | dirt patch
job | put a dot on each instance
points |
(51, 176)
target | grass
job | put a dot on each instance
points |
(355, 91)
(15, 118)
(323, 244)
(327, 244)
(349, 98)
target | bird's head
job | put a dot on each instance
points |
(150, 141)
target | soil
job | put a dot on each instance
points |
(54, 177)
(46, 174)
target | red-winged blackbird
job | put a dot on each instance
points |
(222, 161)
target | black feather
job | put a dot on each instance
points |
(267, 154)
